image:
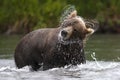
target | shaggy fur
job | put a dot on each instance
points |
(54, 47)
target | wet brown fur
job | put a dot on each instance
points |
(43, 46)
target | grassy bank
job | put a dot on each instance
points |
(26, 15)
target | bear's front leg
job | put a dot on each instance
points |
(47, 65)
(48, 62)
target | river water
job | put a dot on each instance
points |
(103, 62)
(90, 71)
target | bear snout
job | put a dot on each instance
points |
(64, 33)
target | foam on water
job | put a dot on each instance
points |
(89, 71)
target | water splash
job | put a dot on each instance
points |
(110, 66)
(94, 58)
(12, 69)
(66, 12)
(88, 71)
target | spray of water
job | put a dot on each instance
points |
(66, 12)
(111, 65)
(94, 58)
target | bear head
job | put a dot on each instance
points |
(76, 29)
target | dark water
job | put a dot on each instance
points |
(102, 53)
(106, 47)
(7, 45)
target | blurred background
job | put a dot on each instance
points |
(19, 17)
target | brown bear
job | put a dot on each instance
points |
(55, 47)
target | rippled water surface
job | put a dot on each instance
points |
(89, 71)
(102, 54)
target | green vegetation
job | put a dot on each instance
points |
(22, 16)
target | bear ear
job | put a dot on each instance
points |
(72, 14)
(91, 26)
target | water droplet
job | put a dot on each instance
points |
(67, 11)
